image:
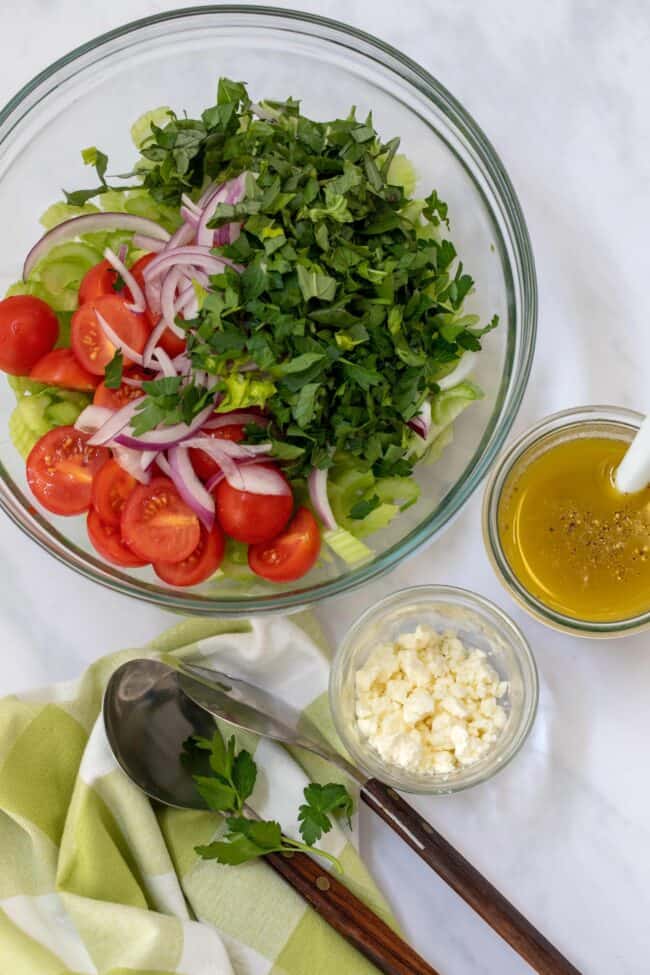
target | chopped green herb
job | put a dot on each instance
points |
(113, 371)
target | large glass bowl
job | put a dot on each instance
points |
(91, 96)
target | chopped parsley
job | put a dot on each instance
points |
(350, 302)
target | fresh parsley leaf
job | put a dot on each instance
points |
(217, 795)
(314, 284)
(244, 774)
(113, 371)
(323, 802)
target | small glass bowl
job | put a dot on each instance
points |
(581, 421)
(479, 624)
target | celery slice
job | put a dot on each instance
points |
(347, 547)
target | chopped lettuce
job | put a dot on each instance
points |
(446, 406)
(401, 172)
(363, 504)
(141, 130)
(242, 391)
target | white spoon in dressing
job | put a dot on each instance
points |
(633, 473)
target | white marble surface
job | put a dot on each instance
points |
(561, 88)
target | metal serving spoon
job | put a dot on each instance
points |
(147, 718)
(249, 707)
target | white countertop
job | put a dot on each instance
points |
(562, 90)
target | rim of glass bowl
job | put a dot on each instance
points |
(511, 236)
(577, 415)
(494, 761)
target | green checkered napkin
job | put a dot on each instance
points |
(93, 879)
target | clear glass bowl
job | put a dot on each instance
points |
(91, 96)
(581, 421)
(478, 623)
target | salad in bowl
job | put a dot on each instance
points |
(232, 358)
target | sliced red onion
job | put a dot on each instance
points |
(123, 252)
(461, 372)
(235, 416)
(317, 482)
(147, 457)
(152, 342)
(207, 193)
(168, 294)
(139, 302)
(189, 204)
(421, 424)
(181, 238)
(130, 461)
(152, 291)
(115, 340)
(164, 437)
(227, 234)
(230, 192)
(87, 224)
(238, 451)
(163, 464)
(144, 243)
(186, 256)
(182, 363)
(190, 217)
(114, 424)
(256, 479)
(190, 487)
(92, 418)
(165, 363)
(130, 381)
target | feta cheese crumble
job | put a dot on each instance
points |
(427, 703)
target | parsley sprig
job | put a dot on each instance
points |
(225, 778)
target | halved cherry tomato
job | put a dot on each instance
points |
(61, 468)
(249, 517)
(169, 342)
(100, 280)
(115, 399)
(106, 540)
(28, 331)
(89, 343)
(204, 466)
(292, 554)
(157, 524)
(112, 488)
(197, 567)
(60, 368)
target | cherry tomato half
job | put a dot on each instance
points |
(197, 567)
(157, 524)
(112, 487)
(60, 368)
(107, 541)
(169, 342)
(115, 399)
(249, 517)
(90, 344)
(100, 280)
(28, 331)
(292, 554)
(61, 468)
(204, 465)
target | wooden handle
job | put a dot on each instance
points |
(348, 915)
(472, 886)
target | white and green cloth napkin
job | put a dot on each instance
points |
(93, 879)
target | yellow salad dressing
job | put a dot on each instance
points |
(572, 540)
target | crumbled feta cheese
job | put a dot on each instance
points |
(427, 703)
